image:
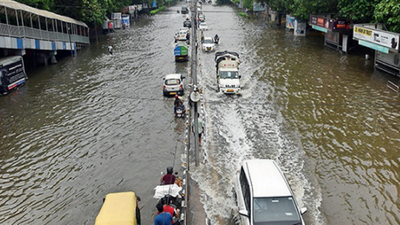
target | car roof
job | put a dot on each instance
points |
(208, 38)
(266, 178)
(173, 76)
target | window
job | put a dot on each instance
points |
(172, 81)
(228, 74)
(278, 209)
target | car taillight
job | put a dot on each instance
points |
(181, 86)
(163, 87)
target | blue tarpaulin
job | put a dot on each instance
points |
(154, 4)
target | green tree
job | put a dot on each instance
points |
(360, 11)
(388, 12)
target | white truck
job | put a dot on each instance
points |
(227, 68)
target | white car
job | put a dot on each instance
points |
(264, 195)
(203, 26)
(173, 85)
(202, 18)
(181, 35)
(208, 44)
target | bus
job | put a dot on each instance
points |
(12, 73)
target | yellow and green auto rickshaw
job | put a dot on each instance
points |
(120, 208)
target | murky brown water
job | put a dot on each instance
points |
(98, 124)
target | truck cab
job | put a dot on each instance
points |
(228, 76)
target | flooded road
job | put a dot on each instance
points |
(97, 124)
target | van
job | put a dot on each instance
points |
(264, 196)
(12, 73)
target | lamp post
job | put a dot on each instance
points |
(70, 43)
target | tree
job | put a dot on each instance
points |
(359, 11)
(387, 12)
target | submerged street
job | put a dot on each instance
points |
(96, 124)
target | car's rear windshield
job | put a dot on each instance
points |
(172, 81)
(208, 41)
(281, 210)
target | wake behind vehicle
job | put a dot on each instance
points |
(173, 85)
(12, 73)
(119, 208)
(264, 195)
(227, 69)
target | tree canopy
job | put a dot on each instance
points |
(359, 11)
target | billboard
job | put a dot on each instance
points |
(377, 37)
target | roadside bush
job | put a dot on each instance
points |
(152, 12)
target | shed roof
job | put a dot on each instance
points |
(19, 6)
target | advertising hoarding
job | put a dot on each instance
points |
(377, 37)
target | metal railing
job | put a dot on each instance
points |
(29, 32)
(392, 86)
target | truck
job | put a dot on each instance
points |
(227, 70)
(181, 52)
(12, 73)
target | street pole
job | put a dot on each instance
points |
(194, 77)
(70, 43)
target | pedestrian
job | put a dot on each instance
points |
(200, 127)
(202, 37)
(110, 50)
(163, 218)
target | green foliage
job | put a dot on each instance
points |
(243, 14)
(388, 12)
(248, 4)
(152, 12)
(359, 11)
(39, 4)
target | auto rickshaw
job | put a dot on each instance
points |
(119, 208)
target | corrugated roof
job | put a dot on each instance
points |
(19, 6)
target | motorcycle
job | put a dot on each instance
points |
(172, 194)
(180, 111)
(216, 40)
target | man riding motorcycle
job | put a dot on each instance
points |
(216, 39)
(178, 103)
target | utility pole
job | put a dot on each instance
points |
(195, 96)
(70, 43)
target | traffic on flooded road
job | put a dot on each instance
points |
(100, 123)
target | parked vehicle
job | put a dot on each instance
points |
(181, 52)
(208, 44)
(264, 196)
(12, 73)
(227, 69)
(119, 208)
(173, 85)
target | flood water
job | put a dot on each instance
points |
(97, 124)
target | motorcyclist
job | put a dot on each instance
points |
(177, 103)
(216, 38)
(168, 178)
